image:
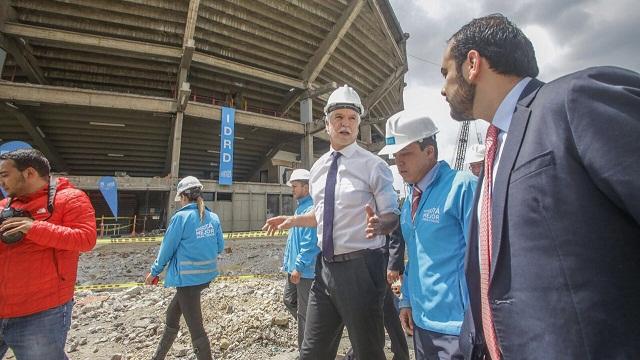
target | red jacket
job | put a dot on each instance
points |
(39, 272)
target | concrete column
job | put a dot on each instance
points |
(3, 58)
(306, 145)
(365, 134)
(175, 162)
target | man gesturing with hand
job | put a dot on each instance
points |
(354, 205)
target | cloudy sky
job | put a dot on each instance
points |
(568, 35)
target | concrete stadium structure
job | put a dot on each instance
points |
(134, 89)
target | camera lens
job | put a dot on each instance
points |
(11, 239)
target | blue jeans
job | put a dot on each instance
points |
(40, 336)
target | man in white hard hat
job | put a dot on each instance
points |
(434, 224)
(354, 205)
(300, 253)
(476, 158)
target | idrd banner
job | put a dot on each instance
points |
(227, 131)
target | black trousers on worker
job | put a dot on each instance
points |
(296, 298)
(349, 293)
(186, 302)
(431, 345)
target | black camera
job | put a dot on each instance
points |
(8, 213)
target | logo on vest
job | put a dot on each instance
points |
(431, 215)
(205, 230)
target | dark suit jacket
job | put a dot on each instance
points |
(565, 279)
(396, 247)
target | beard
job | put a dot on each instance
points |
(461, 103)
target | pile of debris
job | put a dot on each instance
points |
(244, 320)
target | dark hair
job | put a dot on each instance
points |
(195, 195)
(26, 158)
(430, 141)
(502, 43)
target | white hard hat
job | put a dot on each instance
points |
(404, 128)
(190, 182)
(476, 153)
(299, 174)
(344, 97)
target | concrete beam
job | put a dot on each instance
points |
(266, 157)
(192, 18)
(20, 92)
(329, 44)
(147, 50)
(23, 58)
(176, 145)
(246, 70)
(183, 96)
(38, 137)
(385, 29)
(377, 94)
(295, 96)
(188, 48)
(207, 111)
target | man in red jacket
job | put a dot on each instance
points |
(39, 255)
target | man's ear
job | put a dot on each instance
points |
(472, 65)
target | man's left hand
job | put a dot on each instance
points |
(16, 225)
(373, 223)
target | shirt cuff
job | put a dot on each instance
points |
(404, 303)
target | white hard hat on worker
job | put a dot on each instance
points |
(343, 112)
(189, 182)
(344, 97)
(299, 175)
(404, 128)
(476, 153)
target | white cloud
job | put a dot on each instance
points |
(567, 35)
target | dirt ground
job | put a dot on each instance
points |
(244, 318)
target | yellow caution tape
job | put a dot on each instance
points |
(226, 236)
(134, 284)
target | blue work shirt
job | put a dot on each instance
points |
(302, 245)
(434, 285)
(190, 248)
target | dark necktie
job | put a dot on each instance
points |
(485, 243)
(329, 205)
(415, 200)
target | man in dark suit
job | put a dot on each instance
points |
(553, 262)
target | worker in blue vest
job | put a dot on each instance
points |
(300, 254)
(434, 221)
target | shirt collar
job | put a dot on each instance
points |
(346, 151)
(304, 200)
(426, 180)
(502, 117)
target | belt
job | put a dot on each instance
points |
(351, 255)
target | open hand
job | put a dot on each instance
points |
(277, 223)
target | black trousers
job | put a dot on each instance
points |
(399, 346)
(186, 302)
(431, 345)
(351, 294)
(296, 298)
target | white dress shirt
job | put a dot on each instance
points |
(363, 178)
(502, 120)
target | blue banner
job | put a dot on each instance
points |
(227, 131)
(109, 189)
(12, 146)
